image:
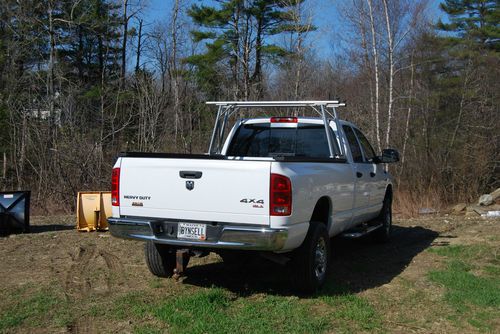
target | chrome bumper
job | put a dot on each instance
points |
(228, 236)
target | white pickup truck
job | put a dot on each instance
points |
(277, 186)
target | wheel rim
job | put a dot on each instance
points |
(320, 259)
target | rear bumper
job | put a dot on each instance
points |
(220, 236)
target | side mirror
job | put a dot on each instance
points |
(389, 155)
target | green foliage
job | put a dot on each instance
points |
(217, 310)
(463, 252)
(208, 75)
(275, 52)
(474, 298)
(89, 45)
(349, 309)
(201, 35)
(231, 31)
(29, 309)
(133, 303)
(473, 20)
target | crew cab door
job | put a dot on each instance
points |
(362, 178)
(378, 176)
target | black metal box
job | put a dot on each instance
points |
(14, 211)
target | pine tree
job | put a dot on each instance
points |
(237, 38)
(476, 21)
(463, 73)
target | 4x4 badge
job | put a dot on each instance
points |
(189, 185)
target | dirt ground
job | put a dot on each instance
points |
(89, 272)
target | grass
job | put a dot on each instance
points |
(474, 297)
(380, 294)
(468, 253)
(198, 311)
(33, 310)
(350, 310)
(218, 310)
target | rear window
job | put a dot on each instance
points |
(262, 140)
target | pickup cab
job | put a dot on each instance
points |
(277, 186)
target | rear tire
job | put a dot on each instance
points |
(312, 259)
(160, 259)
(383, 234)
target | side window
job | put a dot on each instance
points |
(353, 144)
(365, 144)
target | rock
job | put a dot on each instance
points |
(478, 210)
(495, 194)
(459, 208)
(427, 211)
(474, 210)
(471, 213)
(485, 200)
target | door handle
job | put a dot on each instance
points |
(359, 174)
(372, 174)
(186, 174)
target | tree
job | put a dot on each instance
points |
(473, 20)
(385, 29)
(236, 35)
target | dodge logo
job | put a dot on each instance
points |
(189, 185)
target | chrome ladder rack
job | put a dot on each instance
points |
(326, 109)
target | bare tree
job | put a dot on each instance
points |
(376, 74)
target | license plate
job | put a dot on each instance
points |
(192, 231)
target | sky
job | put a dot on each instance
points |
(325, 15)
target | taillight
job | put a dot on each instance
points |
(280, 196)
(284, 120)
(115, 187)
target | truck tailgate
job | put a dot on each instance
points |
(195, 189)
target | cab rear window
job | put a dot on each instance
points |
(262, 140)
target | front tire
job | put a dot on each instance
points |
(160, 259)
(312, 259)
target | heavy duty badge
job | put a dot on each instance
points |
(189, 185)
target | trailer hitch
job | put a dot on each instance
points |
(181, 257)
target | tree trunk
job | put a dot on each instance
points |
(22, 153)
(408, 116)
(236, 49)
(390, 45)
(366, 59)
(139, 40)
(79, 58)
(50, 72)
(376, 74)
(174, 71)
(257, 74)
(4, 169)
(460, 114)
(246, 58)
(124, 45)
